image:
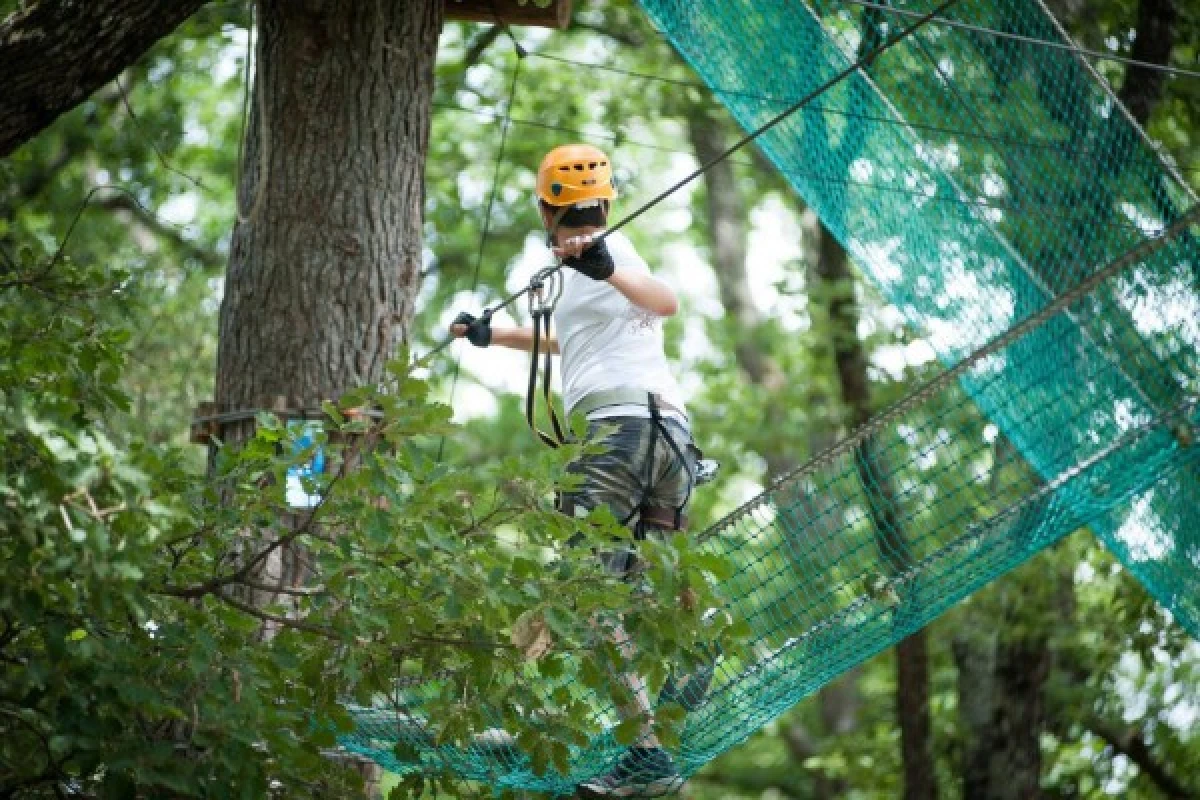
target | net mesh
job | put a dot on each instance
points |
(979, 181)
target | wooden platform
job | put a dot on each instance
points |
(511, 12)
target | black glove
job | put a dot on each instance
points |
(479, 331)
(595, 262)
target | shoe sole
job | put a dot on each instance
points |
(657, 788)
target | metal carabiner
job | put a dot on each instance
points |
(545, 290)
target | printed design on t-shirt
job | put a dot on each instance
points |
(641, 320)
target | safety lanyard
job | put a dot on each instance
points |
(546, 291)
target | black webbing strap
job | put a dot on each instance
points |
(547, 375)
(659, 426)
(541, 323)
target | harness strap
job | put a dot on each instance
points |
(652, 402)
(621, 397)
(547, 375)
(531, 393)
(639, 532)
(657, 515)
(664, 517)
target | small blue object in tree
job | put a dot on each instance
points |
(305, 432)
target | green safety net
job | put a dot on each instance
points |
(997, 193)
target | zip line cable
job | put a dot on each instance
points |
(1033, 40)
(861, 63)
(1062, 146)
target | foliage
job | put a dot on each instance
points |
(129, 643)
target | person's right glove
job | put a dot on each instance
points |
(593, 258)
(479, 329)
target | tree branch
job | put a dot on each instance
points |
(295, 591)
(479, 46)
(266, 616)
(1130, 742)
(142, 216)
(54, 54)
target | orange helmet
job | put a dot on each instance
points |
(575, 172)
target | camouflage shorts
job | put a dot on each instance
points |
(631, 474)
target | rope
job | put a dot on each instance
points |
(861, 63)
(881, 420)
(86, 204)
(148, 139)
(547, 290)
(505, 124)
(253, 46)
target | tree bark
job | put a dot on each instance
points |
(1002, 713)
(323, 274)
(1004, 657)
(54, 54)
(325, 259)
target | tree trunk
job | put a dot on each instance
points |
(324, 265)
(323, 274)
(54, 54)
(1003, 659)
(975, 658)
(1143, 87)
(728, 232)
(728, 229)
(1018, 719)
(912, 660)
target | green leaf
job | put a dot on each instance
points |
(627, 732)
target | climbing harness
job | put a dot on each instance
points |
(648, 515)
(706, 468)
(655, 514)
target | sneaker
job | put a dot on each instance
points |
(641, 772)
(690, 690)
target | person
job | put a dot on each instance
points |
(614, 369)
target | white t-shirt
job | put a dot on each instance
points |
(607, 342)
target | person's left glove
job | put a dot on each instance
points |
(593, 260)
(478, 329)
